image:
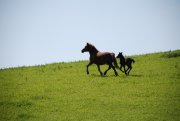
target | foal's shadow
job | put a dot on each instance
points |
(136, 75)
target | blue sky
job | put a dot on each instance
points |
(46, 31)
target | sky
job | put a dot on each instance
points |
(34, 32)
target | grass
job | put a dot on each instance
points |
(63, 91)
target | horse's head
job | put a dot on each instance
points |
(120, 55)
(89, 48)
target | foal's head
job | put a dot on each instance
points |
(120, 55)
(89, 48)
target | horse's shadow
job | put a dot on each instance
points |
(97, 75)
(105, 76)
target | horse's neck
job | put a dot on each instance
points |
(93, 52)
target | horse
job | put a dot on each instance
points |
(124, 62)
(100, 58)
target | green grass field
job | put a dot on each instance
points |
(63, 91)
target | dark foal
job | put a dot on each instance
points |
(100, 58)
(125, 62)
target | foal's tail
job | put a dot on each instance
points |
(133, 60)
(114, 60)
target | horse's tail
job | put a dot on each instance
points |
(114, 61)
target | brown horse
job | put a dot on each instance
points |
(100, 58)
(124, 62)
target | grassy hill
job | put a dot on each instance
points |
(63, 91)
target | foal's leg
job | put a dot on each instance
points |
(99, 70)
(90, 63)
(125, 71)
(121, 68)
(107, 70)
(130, 67)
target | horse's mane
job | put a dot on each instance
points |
(93, 47)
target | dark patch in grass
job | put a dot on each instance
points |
(24, 104)
(176, 65)
(62, 67)
(8, 103)
(24, 116)
(38, 97)
(16, 104)
(3, 103)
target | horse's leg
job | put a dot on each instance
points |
(114, 70)
(107, 70)
(99, 70)
(90, 63)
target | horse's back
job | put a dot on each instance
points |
(99, 54)
(104, 58)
